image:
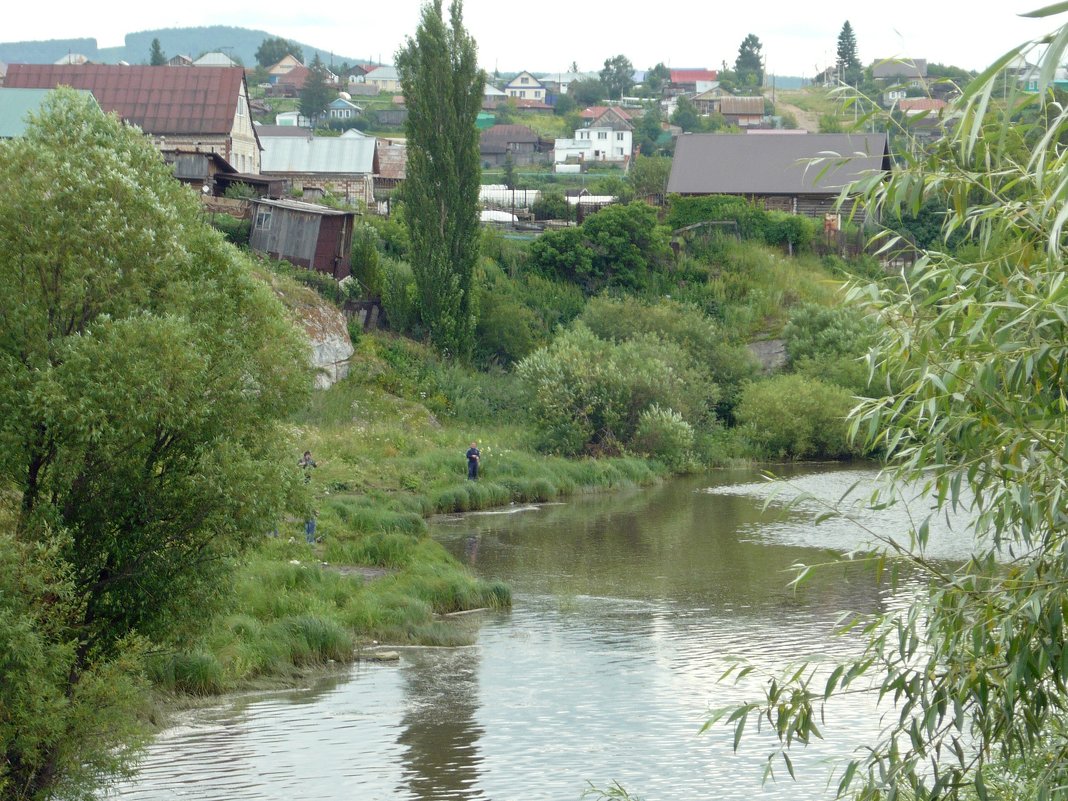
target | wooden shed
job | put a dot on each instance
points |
(312, 236)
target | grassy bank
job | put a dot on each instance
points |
(389, 444)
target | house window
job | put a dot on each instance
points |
(522, 92)
(602, 134)
(619, 137)
(524, 80)
(263, 220)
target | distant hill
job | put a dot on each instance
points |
(239, 43)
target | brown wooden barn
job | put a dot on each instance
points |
(316, 237)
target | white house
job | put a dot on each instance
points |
(292, 118)
(525, 86)
(596, 143)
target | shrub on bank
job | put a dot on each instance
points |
(794, 417)
(586, 393)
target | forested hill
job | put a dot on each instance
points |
(238, 43)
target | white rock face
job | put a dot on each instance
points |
(331, 347)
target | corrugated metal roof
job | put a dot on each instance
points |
(330, 155)
(773, 165)
(741, 105)
(693, 75)
(161, 100)
(215, 59)
(15, 107)
(392, 160)
(899, 68)
(299, 205)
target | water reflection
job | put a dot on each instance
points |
(628, 608)
(440, 733)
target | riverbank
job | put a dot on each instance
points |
(385, 463)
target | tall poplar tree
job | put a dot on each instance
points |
(443, 87)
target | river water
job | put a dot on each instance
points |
(628, 607)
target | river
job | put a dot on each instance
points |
(628, 607)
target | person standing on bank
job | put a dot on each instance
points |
(473, 457)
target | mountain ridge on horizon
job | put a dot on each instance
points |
(239, 43)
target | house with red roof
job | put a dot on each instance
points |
(691, 81)
(202, 110)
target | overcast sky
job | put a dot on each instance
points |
(798, 37)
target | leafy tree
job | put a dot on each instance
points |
(649, 175)
(587, 92)
(316, 93)
(976, 664)
(617, 75)
(685, 115)
(648, 132)
(156, 56)
(849, 67)
(146, 378)
(274, 49)
(551, 206)
(618, 246)
(749, 65)
(506, 111)
(443, 90)
(657, 78)
(565, 104)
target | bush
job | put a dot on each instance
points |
(664, 435)
(829, 343)
(754, 223)
(587, 393)
(794, 417)
(399, 296)
(551, 206)
(366, 269)
(236, 231)
(730, 364)
(617, 246)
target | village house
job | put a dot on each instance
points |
(897, 76)
(499, 143)
(525, 86)
(290, 84)
(203, 110)
(609, 137)
(179, 61)
(384, 79)
(282, 67)
(744, 112)
(778, 171)
(306, 234)
(215, 59)
(491, 96)
(391, 158)
(341, 165)
(707, 102)
(558, 83)
(690, 81)
(342, 109)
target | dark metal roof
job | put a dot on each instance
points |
(899, 68)
(161, 100)
(774, 165)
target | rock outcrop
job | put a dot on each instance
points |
(331, 347)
